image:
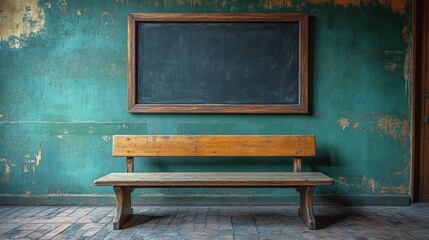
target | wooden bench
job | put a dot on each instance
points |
(218, 145)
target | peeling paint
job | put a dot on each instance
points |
(394, 5)
(106, 138)
(370, 182)
(62, 5)
(19, 20)
(408, 68)
(358, 183)
(393, 127)
(6, 173)
(270, 4)
(38, 156)
(24, 168)
(406, 34)
(394, 189)
(343, 122)
(391, 66)
(346, 3)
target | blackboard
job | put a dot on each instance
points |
(218, 63)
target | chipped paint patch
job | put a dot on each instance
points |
(391, 66)
(106, 138)
(356, 125)
(62, 5)
(346, 3)
(19, 20)
(38, 157)
(343, 122)
(358, 183)
(406, 35)
(394, 127)
(394, 5)
(1, 116)
(371, 183)
(6, 173)
(394, 189)
(78, 12)
(270, 4)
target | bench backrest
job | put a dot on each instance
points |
(131, 146)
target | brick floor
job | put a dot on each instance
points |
(214, 222)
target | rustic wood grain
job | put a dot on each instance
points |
(305, 210)
(219, 145)
(123, 206)
(214, 179)
(131, 63)
(218, 17)
(423, 67)
(301, 18)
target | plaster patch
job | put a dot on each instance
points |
(6, 173)
(394, 127)
(20, 19)
(38, 157)
(343, 122)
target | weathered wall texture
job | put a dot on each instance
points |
(63, 68)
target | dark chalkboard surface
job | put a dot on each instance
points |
(218, 64)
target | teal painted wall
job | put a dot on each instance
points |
(63, 74)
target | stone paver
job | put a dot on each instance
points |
(214, 222)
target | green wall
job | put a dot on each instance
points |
(63, 81)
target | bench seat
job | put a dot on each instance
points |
(263, 146)
(214, 179)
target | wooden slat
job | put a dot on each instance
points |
(214, 179)
(218, 145)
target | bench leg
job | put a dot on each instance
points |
(305, 210)
(123, 206)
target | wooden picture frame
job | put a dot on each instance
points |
(300, 106)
